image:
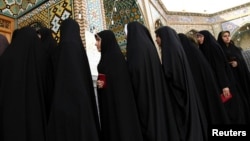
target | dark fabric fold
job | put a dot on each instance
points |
(152, 96)
(73, 114)
(118, 112)
(189, 113)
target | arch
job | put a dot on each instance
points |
(245, 21)
(241, 28)
(241, 36)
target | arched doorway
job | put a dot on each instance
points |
(241, 37)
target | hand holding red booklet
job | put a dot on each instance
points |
(225, 99)
(102, 77)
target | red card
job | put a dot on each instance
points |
(225, 99)
(102, 77)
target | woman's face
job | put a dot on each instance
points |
(98, 44)
(200, 38)
(158, 40)
(226, 37)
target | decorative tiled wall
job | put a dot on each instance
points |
(16, 8)
(234, 25)
(95, 23)
(95, 15)
(50, 14)
(126, 11)
(58, 13)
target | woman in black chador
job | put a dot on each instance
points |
(74, 114)
(22, 92)
(151, 94)
(205, 81)
(191, 121)
(118, 113)
(237, 65)
(223, 75)
(49, 44)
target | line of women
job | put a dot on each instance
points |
(176, 98)
(47, 93)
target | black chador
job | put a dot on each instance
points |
(74, 114)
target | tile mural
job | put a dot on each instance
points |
(50, 15)
(16, 8)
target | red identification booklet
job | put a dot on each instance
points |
(102, 77)
(225, 99)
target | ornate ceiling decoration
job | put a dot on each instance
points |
(206, 14)
(202, 7)
(16, 8)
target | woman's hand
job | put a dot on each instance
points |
(233, 64)
(226, 92)
(100, 84)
